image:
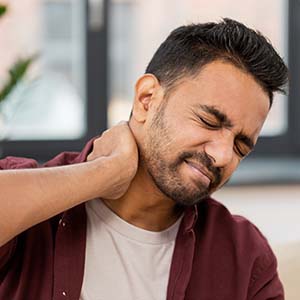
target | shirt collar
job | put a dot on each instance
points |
(191, 213)
(190, 218)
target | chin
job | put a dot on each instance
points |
(185, 197)
(186, 202)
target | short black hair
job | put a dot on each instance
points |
(190, 47)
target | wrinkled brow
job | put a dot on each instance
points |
(226, 122)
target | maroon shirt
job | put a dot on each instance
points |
(217, 256)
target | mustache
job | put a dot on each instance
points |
(206, 161)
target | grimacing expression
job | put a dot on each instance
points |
(196, 138)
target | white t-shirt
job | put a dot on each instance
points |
(125, 262)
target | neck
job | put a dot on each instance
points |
(144, 205)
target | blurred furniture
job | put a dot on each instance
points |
(289, 268)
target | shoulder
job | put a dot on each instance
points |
(64, 158)
(235, 233)
(237, 241)
(11, 162)
(216, 217)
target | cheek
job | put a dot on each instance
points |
(192, 135)
(229, 170)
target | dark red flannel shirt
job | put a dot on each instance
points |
(217, 256)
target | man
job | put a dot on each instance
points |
(151, 230)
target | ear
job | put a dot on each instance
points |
(148, 95)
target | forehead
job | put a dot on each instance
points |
(230, 90)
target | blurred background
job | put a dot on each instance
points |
(68, 69)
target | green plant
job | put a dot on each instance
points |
(3, 9)
(16, 73)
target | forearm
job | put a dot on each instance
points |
(31, 196)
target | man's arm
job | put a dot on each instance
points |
(31, 196)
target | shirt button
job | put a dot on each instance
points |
(64, 294)
(62, 223)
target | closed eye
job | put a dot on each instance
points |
(242, 150)
(239, 151)
(243, 144)
(209, 124)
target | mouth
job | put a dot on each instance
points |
(200, 171)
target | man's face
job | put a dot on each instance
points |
(196, 138)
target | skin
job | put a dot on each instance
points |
(30, 196)
(211, 120)
(145, 169)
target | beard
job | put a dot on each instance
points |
(166, 174)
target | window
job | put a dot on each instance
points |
(134, 37)
(101, 47)
(138, 27)
(55, 107)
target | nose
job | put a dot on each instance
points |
(220, 150)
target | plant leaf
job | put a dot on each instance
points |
(3, 9)
(16, 73)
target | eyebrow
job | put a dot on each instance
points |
(225, 121)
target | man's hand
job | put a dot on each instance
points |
(118, 146)
(31, 196)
